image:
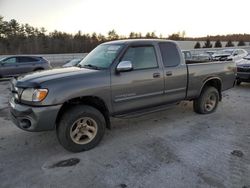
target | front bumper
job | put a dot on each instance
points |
(33, 119)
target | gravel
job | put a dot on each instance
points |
(171, 148)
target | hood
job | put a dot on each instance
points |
(34, 79)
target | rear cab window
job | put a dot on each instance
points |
(170, 54)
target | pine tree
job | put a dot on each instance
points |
(197, 45)
(218, 44)
(112, 35)
(207, 44)
(230, 44)
(241, 43)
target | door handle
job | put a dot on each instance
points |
(169, 73)
(156, 75)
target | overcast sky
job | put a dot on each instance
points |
(196, 17)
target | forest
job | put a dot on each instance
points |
(17, 38)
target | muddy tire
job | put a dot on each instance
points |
(38, 69)
(207, 101)
(81, 128)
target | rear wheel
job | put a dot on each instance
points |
(207, 101)
(81, 128)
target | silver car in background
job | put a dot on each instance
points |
(72, 63)
(230, 55)
(243, 70)
(17, 65)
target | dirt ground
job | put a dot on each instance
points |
(172, 148)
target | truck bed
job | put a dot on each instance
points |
(199, 72)
(193, 61)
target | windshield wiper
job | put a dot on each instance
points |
(91, 66)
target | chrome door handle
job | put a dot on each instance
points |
(169, 73)
(156, 75)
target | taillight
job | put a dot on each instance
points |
(235, 70)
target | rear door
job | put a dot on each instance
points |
(175, 72)
(141, 87)
(26, 64)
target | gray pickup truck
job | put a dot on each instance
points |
(117, 79)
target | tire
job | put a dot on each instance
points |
(76, 127)
(38, 69)
(207, 101)
(238, 82)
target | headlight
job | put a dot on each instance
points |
(34, 95)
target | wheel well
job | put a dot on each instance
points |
(216, 82)
(37, 69)
(89, 100)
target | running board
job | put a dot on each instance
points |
(142, 112)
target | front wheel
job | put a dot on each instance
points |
(207, 101)
(38, 69)
(81, 128)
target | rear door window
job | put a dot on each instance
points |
(27, 59)
(236, 52)
(170, 54)
(241, 52)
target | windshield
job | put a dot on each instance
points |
(101, 57)
(247, 57)
(1, 59)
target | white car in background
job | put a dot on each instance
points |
(230, 54)
(247, 57)
(72, 63)
(245, 60)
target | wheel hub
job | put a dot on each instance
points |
(83, 130)
(210, 102)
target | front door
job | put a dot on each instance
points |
(9, 67)
(26, 64)
(141, 87)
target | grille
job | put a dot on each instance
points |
(243, 69)
(16, 92)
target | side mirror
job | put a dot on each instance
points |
(124, 66)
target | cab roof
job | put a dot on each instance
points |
(141, 41)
